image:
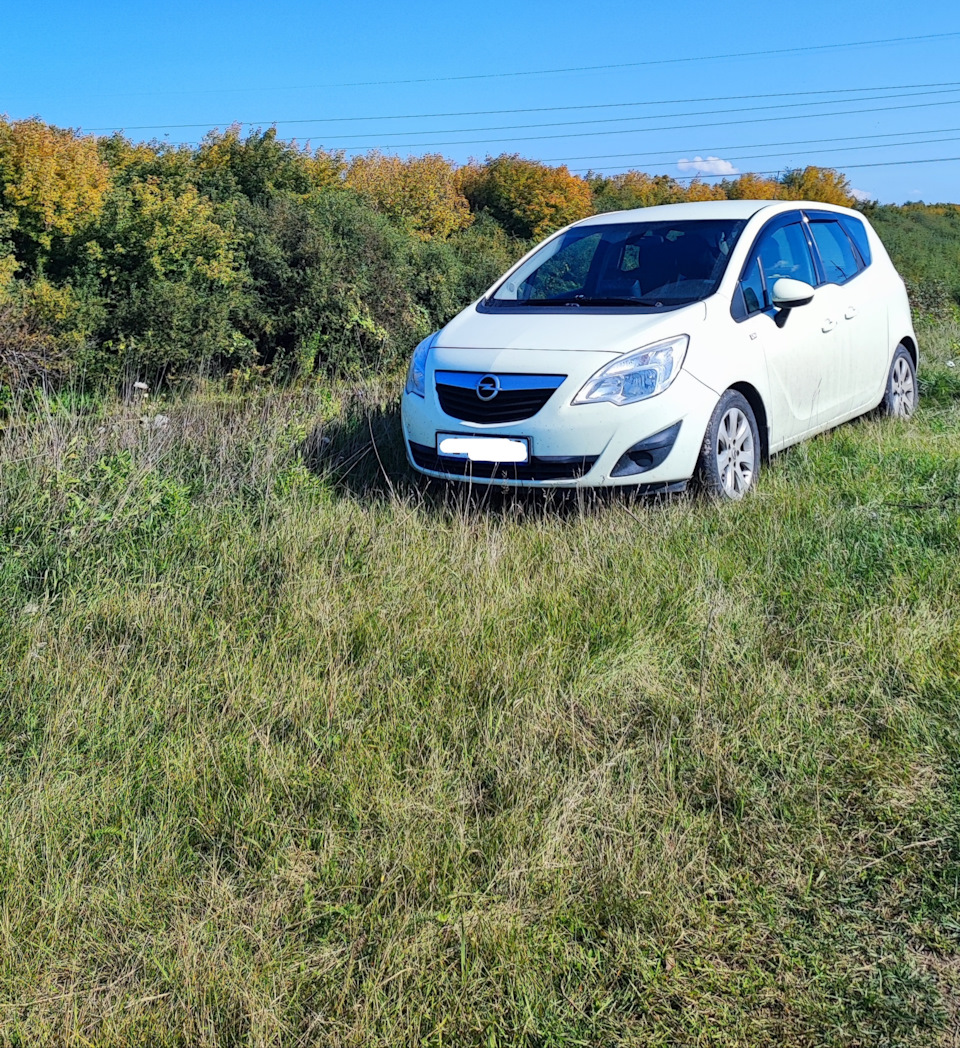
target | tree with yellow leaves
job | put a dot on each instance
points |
(420, 193)
(700, 190)
(632, 189)
(818, 183)
(752, 187)
(527, 198)
(261, 164)
(52, 181)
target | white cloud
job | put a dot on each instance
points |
(862, 194)
(711, 165)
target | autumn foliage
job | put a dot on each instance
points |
(817, 183)
(52, 181)
(527, 198)
(247, 249)
(421, 193)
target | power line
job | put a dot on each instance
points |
(753, 145)
(630, 130)
(846, 167)
(537, 109)
(767, 156)
(657, 116)
(650, 62)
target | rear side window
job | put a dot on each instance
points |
(836, 252)
(858, 234)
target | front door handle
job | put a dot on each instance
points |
(828, 325)
(850, 313)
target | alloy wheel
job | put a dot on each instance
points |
(903, 388)
(736, 453)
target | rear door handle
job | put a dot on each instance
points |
(850, 313)
(828, 325)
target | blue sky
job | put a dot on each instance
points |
(316, 69)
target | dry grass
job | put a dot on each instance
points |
(298, 750)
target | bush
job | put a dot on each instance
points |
(258, 256)
(924, 243)
(527, 198)
(420, 193)
(27, 351)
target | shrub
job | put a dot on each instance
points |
(165, 267)
(259, 166)
(818, 183)
(527, 198)
(27, 350)
(52, 183)
(420, 193)
(634, 189)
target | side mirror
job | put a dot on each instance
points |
(788, 294)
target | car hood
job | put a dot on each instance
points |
(572, 330)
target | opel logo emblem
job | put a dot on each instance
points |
(488, 387)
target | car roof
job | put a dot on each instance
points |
(705, 209)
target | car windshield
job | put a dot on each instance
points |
(623, 265)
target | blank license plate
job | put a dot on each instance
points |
(484, 449)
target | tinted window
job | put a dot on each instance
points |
(752, 287)
(621, 265)
(784, 253)
(836, 252)
(858, 233)
(565, 273)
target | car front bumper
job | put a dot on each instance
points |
(573, 446)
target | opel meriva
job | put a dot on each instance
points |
(663, 345)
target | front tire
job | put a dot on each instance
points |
(730, 454)
(900, 396)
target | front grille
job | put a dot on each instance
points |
(519, 396)
(543, 468)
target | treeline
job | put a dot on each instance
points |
(253, 255)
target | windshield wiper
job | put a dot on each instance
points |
(588, 300)
(548, 302)
(600, 300)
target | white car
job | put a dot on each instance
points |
(663, 345)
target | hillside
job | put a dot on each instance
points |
(924, 243)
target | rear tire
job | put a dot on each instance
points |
(900, 396)
(730, 453)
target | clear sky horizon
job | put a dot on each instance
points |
(683, 89)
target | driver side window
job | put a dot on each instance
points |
(783, 252)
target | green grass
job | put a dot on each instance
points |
(298, 750)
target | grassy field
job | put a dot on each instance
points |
(298, 750)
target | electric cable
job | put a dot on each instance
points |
(652, 61)
(752, 145)
(537, 109)
(634, 130)
(658, 116)
(768, 156)
(846, 167)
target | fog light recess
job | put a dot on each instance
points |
(647, 453)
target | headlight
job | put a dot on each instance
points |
(636, 376)
(417, 372)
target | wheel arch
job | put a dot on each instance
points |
(909, 343)
(752, 396)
